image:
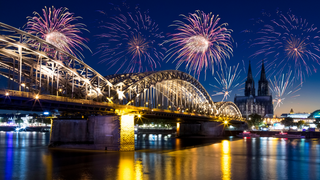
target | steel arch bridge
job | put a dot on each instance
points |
(33, 65)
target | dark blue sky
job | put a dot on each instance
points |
(236, 13)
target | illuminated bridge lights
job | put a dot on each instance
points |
(170, 89)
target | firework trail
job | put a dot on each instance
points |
(289, 41)
(57, 27)
(200, 42)
(132, 40)
(283, 87)
(227, 80)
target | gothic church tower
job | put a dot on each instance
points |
(263, 89)
(249, 89)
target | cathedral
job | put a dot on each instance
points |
(252, 104)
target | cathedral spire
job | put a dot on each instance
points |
(263, 73)
(249, 77)
(263, 89)
(249, 89)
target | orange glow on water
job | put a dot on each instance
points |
(225, 160)
(129, 169)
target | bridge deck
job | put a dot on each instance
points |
(19, 100)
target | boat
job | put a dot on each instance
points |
(286, 135)
(248, 134)
(22, 128)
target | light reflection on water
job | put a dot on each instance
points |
(225, 160)
(26, 156)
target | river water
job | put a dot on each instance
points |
(25, 155)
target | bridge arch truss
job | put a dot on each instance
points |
(168, 90)
(33, 65)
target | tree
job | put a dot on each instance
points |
(287, 121)
(5, 119)
(255, 120)
(300, 124)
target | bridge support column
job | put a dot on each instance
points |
(115, 133)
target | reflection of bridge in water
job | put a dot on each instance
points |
(43, 77)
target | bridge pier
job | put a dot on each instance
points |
(203, 128)
(115, 133)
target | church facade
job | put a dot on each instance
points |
(252, 104)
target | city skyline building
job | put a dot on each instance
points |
(252, 104)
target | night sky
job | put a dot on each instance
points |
(236, 13)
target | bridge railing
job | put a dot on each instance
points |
(52, 98)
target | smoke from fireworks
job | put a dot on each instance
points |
(227, 80)
(283, 87)
(57, 27)
(132, 40)
(200, 42)
(288, 41)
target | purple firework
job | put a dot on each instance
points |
(200, 42)
(131, 42)
(57, 27)
(288, 41)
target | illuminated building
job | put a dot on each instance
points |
(252, 104)
(306, 117)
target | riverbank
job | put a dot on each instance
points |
(272, 133)
(33, 128)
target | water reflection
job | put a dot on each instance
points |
(25, 156)
(225, 160)
(9, 156)
(129, 169)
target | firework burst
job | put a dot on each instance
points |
(227, 80)
(289, 41)
(283, 87)
(57, 27)
(131, 40)
(200, 42)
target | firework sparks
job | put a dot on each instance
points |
(200, 43)
(283, 87)
(131, 40)
(57, 27)
(289, 41)
(227, 80)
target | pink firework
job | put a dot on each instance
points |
(57, 27)
(200, 42)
